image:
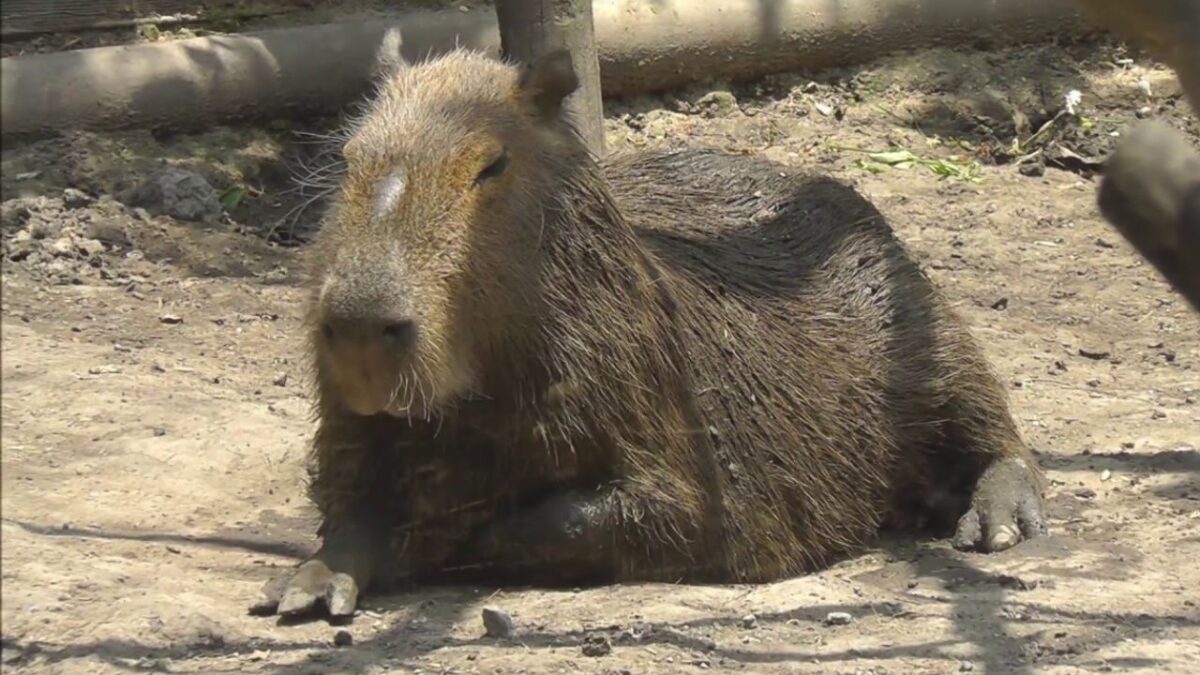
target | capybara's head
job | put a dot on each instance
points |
(427, 262)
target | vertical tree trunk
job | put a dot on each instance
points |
(530, 28)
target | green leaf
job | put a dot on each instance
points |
(893, 158)
(871, 167)
(232, 197)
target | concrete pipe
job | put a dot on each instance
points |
(645, 46)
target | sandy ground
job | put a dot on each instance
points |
(155, 415)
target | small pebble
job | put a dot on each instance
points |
(838, 619)
(498, 623)
(282, 380)
(171, 318)
(62, 247)
(1032, 169)
(10, 656)
(178, 193)
(966, 667)
(89, 247)
(75, 199)
(749, 621)
(343, 638)
(1105, 474)
(597, 645)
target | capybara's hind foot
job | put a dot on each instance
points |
(1006, 508)
(301, 591)
(567, 538)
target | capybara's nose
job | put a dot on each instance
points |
(401, 333)
(398, 335)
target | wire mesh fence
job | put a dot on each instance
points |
(19, 17)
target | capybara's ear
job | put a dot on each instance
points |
(548, 81)
(389, 59)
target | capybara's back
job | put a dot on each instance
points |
(837, 389)
(687, 366)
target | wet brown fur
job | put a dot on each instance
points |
(743, 359)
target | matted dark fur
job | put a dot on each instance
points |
(684, 366)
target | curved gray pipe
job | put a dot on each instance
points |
(645, 45)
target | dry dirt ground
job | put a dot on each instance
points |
(155, 414)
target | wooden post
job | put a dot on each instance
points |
(531, 28)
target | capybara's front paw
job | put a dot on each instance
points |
(303, 590)
(1006, 508)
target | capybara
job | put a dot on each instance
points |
(534, 367)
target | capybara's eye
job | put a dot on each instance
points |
(494, 169)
